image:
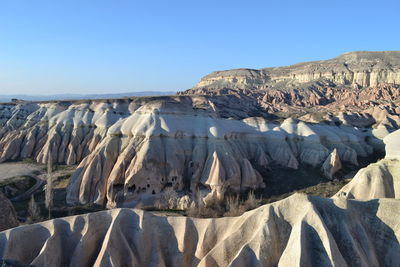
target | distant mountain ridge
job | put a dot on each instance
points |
(358, 69)
(354, 82)
(8, 98)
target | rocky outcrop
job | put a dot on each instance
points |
(378, 180)
(158, 147)
(130, 147)
(331, 165)
(8, 217)
(300, 230)
(359, 89)
(355, 69)
(392, 148)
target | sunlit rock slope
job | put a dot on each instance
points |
(378, 180)
(143, 145)
(298, 231)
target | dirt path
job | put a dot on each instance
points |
(17, 169)
(26, 195)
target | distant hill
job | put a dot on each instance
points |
(8, 98)
(354, 69)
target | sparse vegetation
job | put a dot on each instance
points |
(318, 116)
(280, 183)
(231, 205)
(236, 205)
(60, 179)
(49, 201)
(168, 200)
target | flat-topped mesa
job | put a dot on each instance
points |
(361, 69)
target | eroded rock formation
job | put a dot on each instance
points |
(128, 147)
(331, 165)
(357, 69)
(226, 139)
(300, 230)
(378, 180)
(357, 88)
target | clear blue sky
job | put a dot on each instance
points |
(102, 46)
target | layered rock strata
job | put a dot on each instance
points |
(357, 69)
(300, 230)
(357, 88)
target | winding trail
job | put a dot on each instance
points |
(27, 194)
(17, 169)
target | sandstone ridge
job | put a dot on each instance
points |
(339, 233)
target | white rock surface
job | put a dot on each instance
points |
(297, 231)
(392, 148)
(331, 165)
(377, 180)
(146, 144)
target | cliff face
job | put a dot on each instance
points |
(300, 230)
(360, 88)
(125, 148)
(362, 69)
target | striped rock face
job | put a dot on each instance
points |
(357, 88)
(363, 69)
